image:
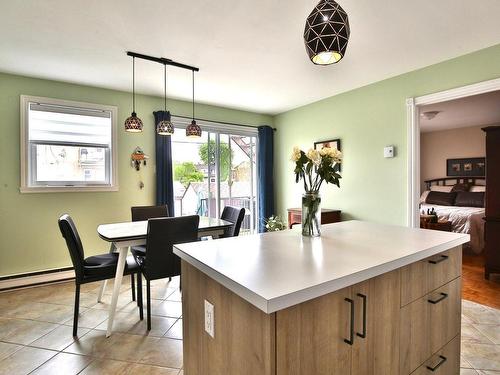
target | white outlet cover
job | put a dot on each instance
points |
(209, 319)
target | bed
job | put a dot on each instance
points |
(463, 219)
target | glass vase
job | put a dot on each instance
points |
(311, 215)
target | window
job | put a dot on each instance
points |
(215, 170)
(67, 146)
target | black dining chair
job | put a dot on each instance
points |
(235, 216)
(160, 262)
(142, 213)
(91, 269)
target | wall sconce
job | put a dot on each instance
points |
(138, 157)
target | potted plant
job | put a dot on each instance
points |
(275, 223)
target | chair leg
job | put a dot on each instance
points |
(132, 286)
(77, 306)
(148, 292)
(169, 279)
(139, 295)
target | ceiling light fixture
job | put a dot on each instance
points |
(165, 127)
(326, 33)
(193, 130)
(133, 124)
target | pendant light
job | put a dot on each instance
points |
(326, 33)
(133, 124)
(165, 127)
(193, 130)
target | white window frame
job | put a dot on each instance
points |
(25, 183)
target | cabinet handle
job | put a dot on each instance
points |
(442, 258)
(442, 360)
(442, 297)
(363, 335)
(350, 341)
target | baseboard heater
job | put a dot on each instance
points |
(36, 278)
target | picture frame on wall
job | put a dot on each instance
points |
(333, 143)
(466, 167)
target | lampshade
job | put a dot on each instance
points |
(193, 130)
(165, 127)
(326, 33)
(133, 124)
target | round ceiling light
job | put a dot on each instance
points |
(326, 33)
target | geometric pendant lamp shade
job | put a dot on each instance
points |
(326, 33)
(133, 124)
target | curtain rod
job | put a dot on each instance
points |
(220, 122)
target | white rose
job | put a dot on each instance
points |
(314, 156)
(295, 154)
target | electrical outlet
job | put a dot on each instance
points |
(209, 318)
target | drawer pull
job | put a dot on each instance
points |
(363, 335)
(442, 360)
(442, 258)
(441, 297)
(350, 341)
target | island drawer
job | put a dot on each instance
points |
(445, 362)
(428, 323)
(419, 278)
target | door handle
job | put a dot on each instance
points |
(442, 258)
(350, 341)
(363, 335)
(442, 297)
(442, 359)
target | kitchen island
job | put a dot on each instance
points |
(363, 298)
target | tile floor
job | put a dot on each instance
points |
(36, 333)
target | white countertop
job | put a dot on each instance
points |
(277, 270)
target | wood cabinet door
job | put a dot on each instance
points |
(445, 362)
(377, 311)
(311, 337)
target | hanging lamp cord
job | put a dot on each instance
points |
(165, 87)
(193, 93)
(133, 84)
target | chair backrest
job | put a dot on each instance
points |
(163, 233)
(141, 213)
(74, 244)
(235, 216)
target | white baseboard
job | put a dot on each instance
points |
(25, 281)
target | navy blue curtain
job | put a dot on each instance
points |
(164, 176)
(265, 180)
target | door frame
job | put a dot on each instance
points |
(413, 141)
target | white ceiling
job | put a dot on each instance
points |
(474, 110)
(250, 53)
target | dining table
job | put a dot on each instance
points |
(133, 233)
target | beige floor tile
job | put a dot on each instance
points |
(63, 363)
(175, 296)
(169, 309)
(479, 313)
(19, 331)
(176, 331)
(166, 352)
(130, 323)
(59, 338)
(464, 363)
(471, 334)
(119, 346)
(482, 356)
(124, 304)
(486, 372)
(106, 367)
(150, 370)
(7, 349)
(89, 318)
(468, 371)
(24, 361)
(492, 332)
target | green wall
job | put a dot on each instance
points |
(29, 236)
(366, 120)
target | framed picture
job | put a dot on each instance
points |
(333, 143)
(473, 167)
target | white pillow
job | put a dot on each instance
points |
(443, 189)
(477, 189)
(424, 195)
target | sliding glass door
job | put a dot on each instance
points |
(216, 170)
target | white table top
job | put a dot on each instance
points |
(277, 270)
(132, 230)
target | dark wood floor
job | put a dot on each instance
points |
(475, 287)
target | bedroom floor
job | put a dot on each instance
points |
(475, 287)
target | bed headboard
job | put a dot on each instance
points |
(450, 181)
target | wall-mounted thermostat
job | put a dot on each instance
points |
(389, 152)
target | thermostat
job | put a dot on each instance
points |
(389, 152)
